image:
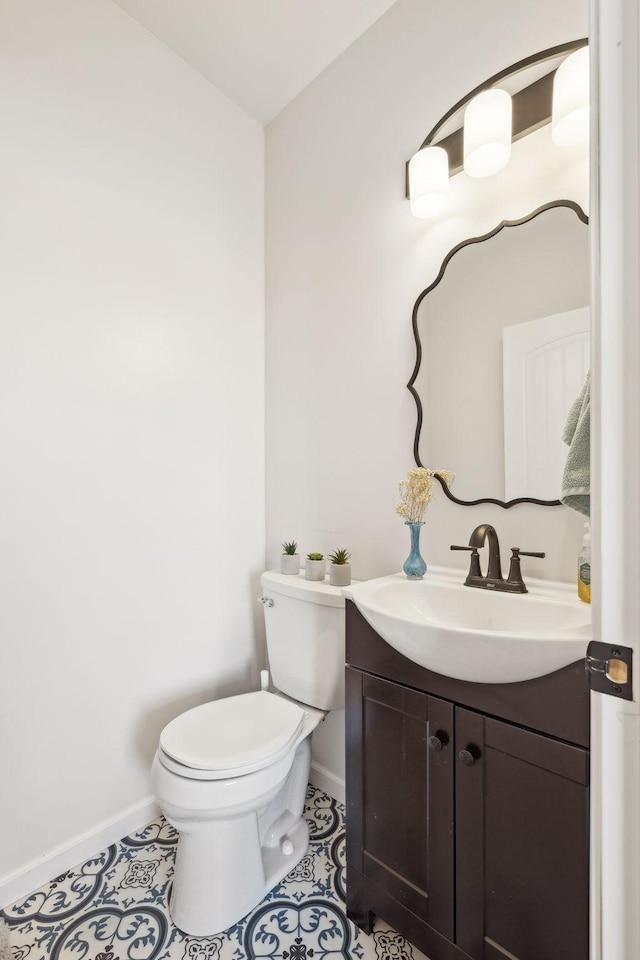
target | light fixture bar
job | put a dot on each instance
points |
(531, 110)
(532, 106)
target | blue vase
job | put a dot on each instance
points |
(414, 566)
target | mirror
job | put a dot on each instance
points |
(502, 341)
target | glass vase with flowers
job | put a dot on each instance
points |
(417, 491)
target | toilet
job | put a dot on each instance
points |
(231, 775)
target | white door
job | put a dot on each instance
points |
(615, 411)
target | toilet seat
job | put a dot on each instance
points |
(231, 737)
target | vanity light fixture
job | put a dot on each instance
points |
(476, 134)
(428, 182)
(487, 133)
(570, 109)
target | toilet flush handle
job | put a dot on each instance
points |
(268, 602)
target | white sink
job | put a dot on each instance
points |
(473, 634)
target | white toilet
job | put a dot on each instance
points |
(231, 775)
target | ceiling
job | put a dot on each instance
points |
(260, 53)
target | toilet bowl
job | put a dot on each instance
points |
(231, 775)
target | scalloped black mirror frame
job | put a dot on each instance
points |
(577, 209)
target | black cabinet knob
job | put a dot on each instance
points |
(467, 758)
(435, 744)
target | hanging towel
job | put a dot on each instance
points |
(576, 480)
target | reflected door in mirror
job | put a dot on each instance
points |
(545, 365)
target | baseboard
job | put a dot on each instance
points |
(42, 870)
(327, 781)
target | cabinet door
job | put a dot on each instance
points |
(522, 825)
(400, 795)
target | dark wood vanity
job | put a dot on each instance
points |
(467, 807)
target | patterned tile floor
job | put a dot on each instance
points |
(114, 907)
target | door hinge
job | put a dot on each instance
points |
(608, 669)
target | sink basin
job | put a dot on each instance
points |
(472, 634)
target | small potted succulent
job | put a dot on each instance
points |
(314, 568)
(290, 561)
(340, 568)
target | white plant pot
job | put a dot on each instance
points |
(340, 574)
(290, 564)
(314, 569)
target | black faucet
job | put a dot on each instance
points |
(493, 579)
(478, 539)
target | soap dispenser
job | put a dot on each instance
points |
(584, 567)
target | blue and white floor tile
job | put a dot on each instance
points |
(114, 907)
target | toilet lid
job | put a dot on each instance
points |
(233, 734)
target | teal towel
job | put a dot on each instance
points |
(576, 480)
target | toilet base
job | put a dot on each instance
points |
(225, 867)
(204, 909)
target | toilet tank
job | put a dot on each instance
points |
(305, 639)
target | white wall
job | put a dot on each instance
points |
(345, 263)
(131, 412)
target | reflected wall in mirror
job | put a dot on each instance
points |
(502, 340)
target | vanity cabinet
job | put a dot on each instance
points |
(467, 807)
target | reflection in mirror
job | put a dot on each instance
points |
(503, 335)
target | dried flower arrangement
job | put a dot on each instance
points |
(417, 491)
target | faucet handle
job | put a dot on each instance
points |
(474, 566)
(517, 552)
(515, 573)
